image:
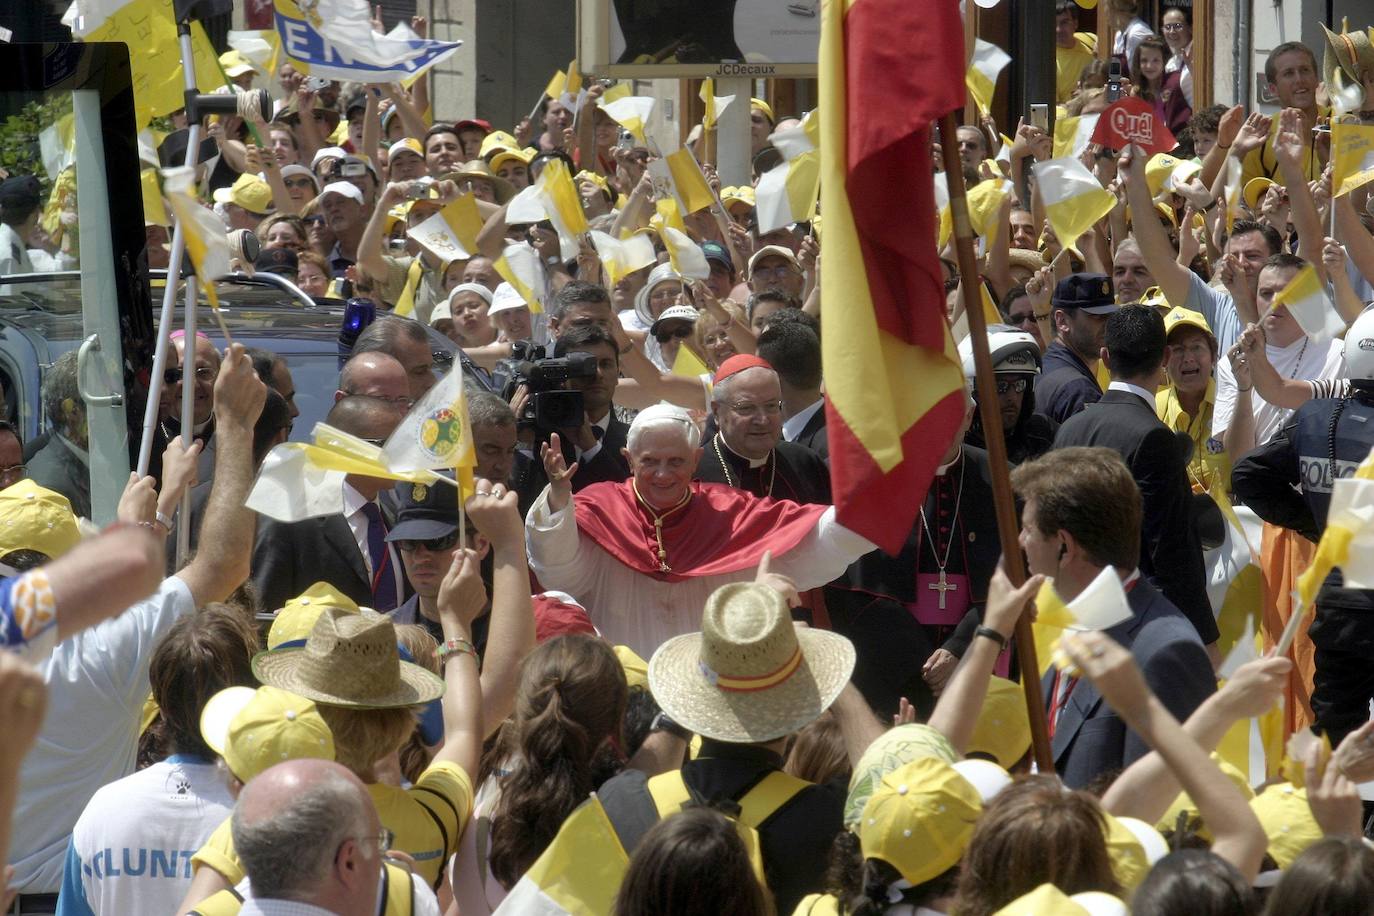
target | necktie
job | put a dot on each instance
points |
(383, 577)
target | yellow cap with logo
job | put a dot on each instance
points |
(919, 819)
(297, 618)
(256, 729)
(1287, 820)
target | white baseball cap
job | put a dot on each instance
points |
(504, 298)
(328, 152)
(345, 188)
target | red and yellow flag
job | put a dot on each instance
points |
(893, 379)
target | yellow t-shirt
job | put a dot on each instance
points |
(1068, 67)
(428, 819)
(1262, 163)
(1209, 464)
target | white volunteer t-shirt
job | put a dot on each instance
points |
(131, 848)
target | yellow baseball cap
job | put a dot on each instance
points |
(495, 141)
(1134, 847)
(636, 668)
(249, 192)
(1254, 191)
(1048, 900)
(36, 518)
(1158, 170)
(1183, 805)
(889, 751)
(764, 107)
(405, 145)
(1003, 728)
(919, 819)
(256, 729)
(598, 180)
(523, 156)
(1287, 820)
(233, 63)
(1180, 317)
(296, 620)
(738, 195)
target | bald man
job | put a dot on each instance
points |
(201, 375)
(308, 835)
(348, 551)
(375, 375)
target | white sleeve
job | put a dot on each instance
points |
(825, 553)
(555, 548)
(1225, 406)
(426, 904)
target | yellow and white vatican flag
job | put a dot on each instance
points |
(715, 104)
(1073, 134)
(519, 265)
(567, 87)
(1307, 301)
(207, 241)
(300, 480)
(450, 234)
(988, 61)
(552, 197)
(631, 112)
(679, 176)
(622, 257)
(684, 254)
(578, 874)
(1100, 606)
(436, 434)
(1352, 155)
(789, 192)
(1074, 198)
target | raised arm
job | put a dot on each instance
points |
(1155, 247)
(510, 637)
(1288, 148)
(1237, 835)
(226, 534)
(370, 259)
(461, 599)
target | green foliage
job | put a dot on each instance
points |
(19, 149)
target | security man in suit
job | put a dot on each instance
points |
(1081, 515)
(1125, 420)
(1287, 482)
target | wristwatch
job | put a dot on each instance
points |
(664, 723)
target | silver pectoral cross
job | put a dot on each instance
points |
(942, 586)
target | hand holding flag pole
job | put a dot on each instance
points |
(1012, 560)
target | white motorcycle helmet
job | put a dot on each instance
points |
(1013, 352)
(1359, 347)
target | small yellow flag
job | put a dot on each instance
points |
(1352, 156)
(689, 182)
(688, 364)
(981, 79)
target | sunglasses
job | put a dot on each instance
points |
(1005, 385)
(172, 376)
(311, 221)
(433, 545)
(668, 334)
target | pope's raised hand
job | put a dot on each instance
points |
(558, 472)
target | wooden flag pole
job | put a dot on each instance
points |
(992, 434)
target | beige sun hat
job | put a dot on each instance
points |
(350, 659)
(750, 675)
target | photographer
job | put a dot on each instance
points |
(589, 432)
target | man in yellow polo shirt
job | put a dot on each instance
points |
(1185, 404)
(1292, 74)
(1071, 54)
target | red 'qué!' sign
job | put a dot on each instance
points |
(1133, 120)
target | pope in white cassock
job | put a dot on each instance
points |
(643, 555)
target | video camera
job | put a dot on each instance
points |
(550, 407)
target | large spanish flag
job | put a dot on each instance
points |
(894, 386)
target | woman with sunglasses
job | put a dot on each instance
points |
(665, 288)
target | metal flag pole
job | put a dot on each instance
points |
(188, 347)
(997, 449)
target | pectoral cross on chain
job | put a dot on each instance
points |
(942, 586)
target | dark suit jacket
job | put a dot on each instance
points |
(607, 465)
(1170, 549)
(813, 435)
(58, 468)
(1090, 739)
(801, 475)
(289, 557)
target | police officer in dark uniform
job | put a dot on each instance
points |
(1016, 367)
(1081, 304)
(1287, 482)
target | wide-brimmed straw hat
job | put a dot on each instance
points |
(750, 675)
(1349, 51)
(349, 660)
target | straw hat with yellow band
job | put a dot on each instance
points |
(749, 676)
(1350, 52)
(350, 659)
(296, 619)
(479, 170)
(1048, 900)
(257, 729)
(36, 518)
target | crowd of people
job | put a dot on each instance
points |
(646, 669)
